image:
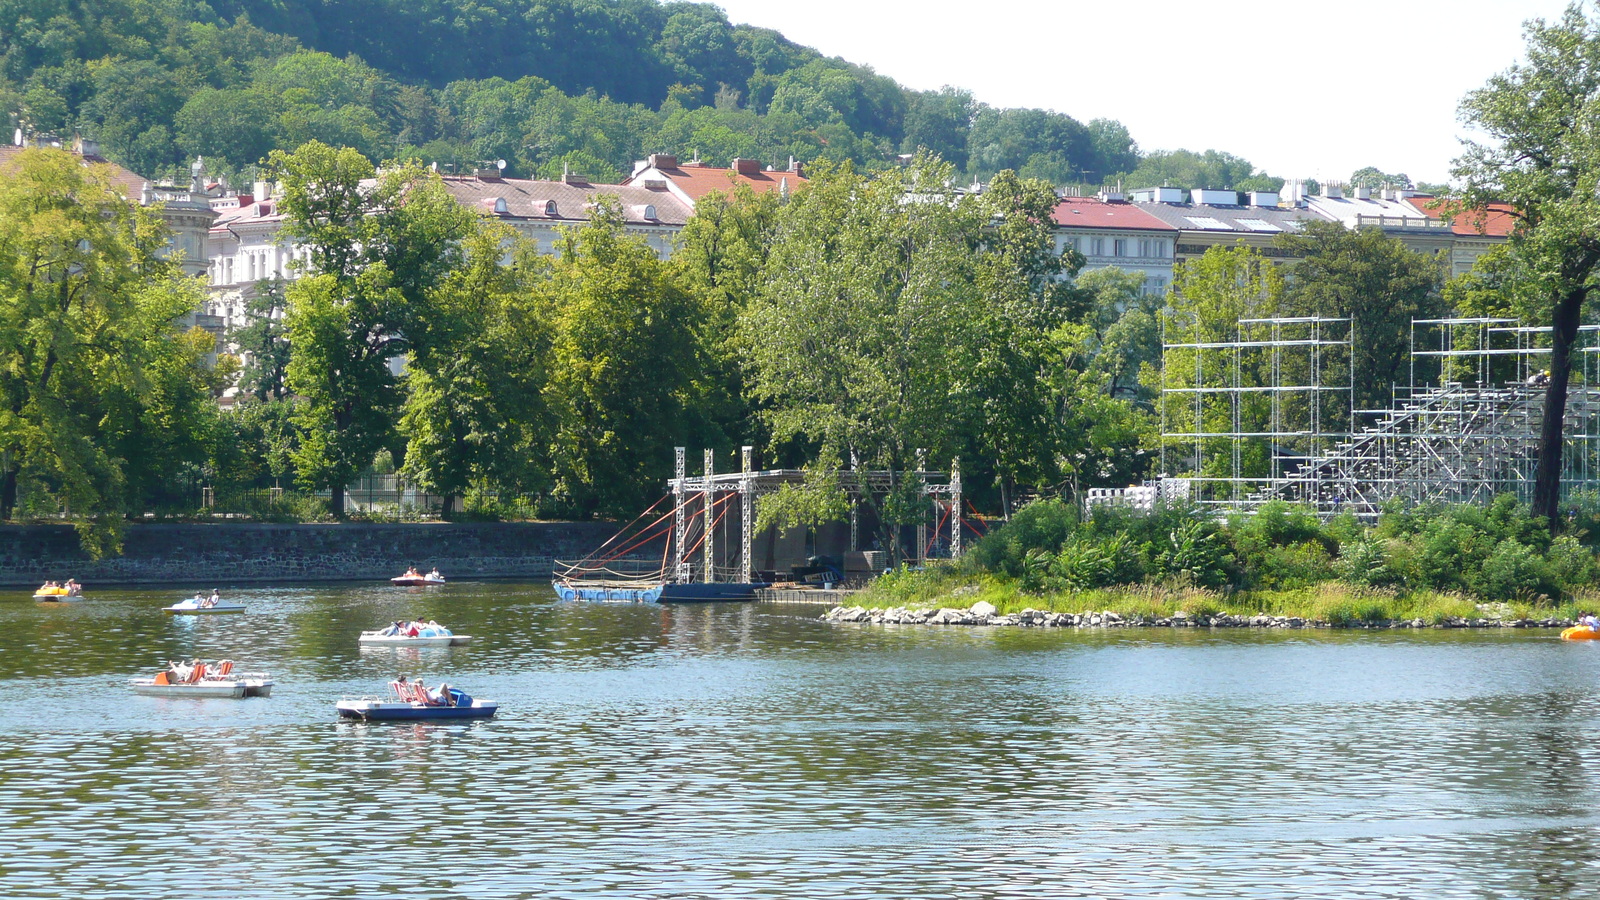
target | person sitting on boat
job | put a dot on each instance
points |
(73, 587)
(441, 697)
(413, 629)
(208, 602)
(1589, 622)
(435, 574)
(393, 630)
(411, 572)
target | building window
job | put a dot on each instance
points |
(1119, 247)
(1097, 247)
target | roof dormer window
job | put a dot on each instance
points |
(550, 208)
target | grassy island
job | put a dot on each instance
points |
(1435, 564)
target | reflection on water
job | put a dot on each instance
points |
(750, 750)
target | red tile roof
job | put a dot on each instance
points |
(1495, 221)
(1091, 212)
(697, 179)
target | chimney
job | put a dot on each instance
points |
(262, 190)
(747, 166)
(1268, 199)
(1333, 191)
(663, 161)
(574, 178)
(1363, 193)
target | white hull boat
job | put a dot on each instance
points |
(58, 598)
(195, 607)
(379, 639)
(202, 680)
(247, 686)
(416, 580)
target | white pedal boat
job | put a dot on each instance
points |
(379, 639)
(417, 580)
(214, 682)
(198, 606)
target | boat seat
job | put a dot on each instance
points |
(224, 668)
(198, 673)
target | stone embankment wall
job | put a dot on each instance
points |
(984, 614)
(230, 553)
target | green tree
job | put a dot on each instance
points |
(474, 412)
(378, 244)
(895, 317)
(624, 363)
(88, 309)
(1542, 159)
(1373, 280)
(720, 260)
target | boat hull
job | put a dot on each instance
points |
(404, 581)
(392, 711)
(58, 598)
(190, 608)
(373, 639)
(692, 592)
(1580, 633)
(215, 689)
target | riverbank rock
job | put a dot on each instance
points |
(984, 613)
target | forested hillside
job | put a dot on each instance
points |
(542, 84)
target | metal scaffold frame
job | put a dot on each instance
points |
(1227, 437)
(1464, 429)
(708, 494)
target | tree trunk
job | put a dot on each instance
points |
(1547, 477)
(8, 493)
(336, 501)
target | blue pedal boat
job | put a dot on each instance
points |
(409, 703)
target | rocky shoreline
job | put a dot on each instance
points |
(982, 613)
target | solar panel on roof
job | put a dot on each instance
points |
(1207, 222)
(1259, 225)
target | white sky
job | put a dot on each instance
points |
(1301, 89)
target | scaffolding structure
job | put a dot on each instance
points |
(1464, 429)
(708, 498)
(1239, 414)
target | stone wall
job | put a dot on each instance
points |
(231, 553)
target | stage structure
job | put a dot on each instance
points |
(1464, 429)
(705, 545)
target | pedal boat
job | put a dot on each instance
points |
(1580, 633)
(425, 639)
(57, 598)
(405, 704)
(219, 682)
(417, 580)
(195, 606)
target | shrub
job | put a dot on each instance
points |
(1195, 554)
(1042, 525)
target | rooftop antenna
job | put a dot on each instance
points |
(501, 165)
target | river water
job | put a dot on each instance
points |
(750, 750)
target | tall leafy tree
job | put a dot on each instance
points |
(1376, 282)
(895, 317)
(624, 364)
(88, 311)
(1541, 158)
(475, 411)
(378, 244)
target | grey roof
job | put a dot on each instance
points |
(1236, 219)
(528, 199)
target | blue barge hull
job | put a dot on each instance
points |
(692, 592)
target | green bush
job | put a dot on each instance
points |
(1195, 554)
(1042, 525)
